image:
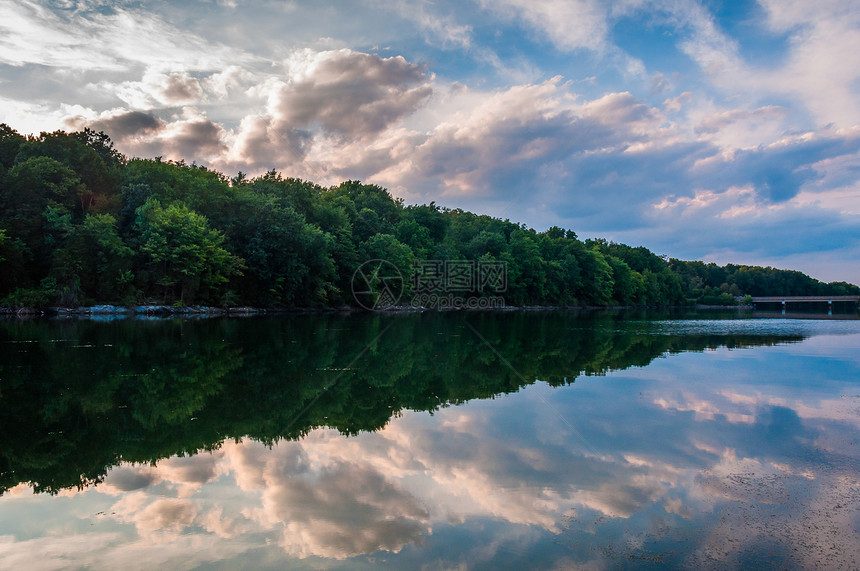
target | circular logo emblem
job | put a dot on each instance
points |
(377, 285)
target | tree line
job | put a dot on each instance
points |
(81, 224)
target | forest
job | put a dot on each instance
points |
(82, 224)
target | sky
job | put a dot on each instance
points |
(726, 131)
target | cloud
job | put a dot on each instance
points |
(719, 121)
(189, 472)
(189, 135)
(345, 511)
(121, 125)
(715, 52)
(169, 515)
(348, 97)
(52, 553)
(823, 61)
(532, 139)
(263, 143)
(126, 479)
(221, 84)
(103, 37)
(348, 94)
(817, 67)
(622, 500)
(159, 90)
(567, 24)
(436, 25)
(498, 138)
(571, 25)
(330, 508)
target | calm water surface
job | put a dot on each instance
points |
(437, 441)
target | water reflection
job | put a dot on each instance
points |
(705, 458)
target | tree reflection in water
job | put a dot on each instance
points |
(233, 432)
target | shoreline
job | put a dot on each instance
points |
(152, 311)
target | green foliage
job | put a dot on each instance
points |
(288, 261)
(36, 208)
(90, 155)
(181, 249)
(200, 189)
(387, 247)
(13, 254)
(523, 257)
(705, 282)
(718, 299)
(10, 142)
(106, 229)
(38, 297)
(95, 260)
(597, 284)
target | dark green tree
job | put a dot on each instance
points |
(181, 250)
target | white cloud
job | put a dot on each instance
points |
(159, 90)
(110, 40)
(823, 65)
(567, 24)
(571, 25)
(437, 26)
(348, 94)
(819, 68)
(166, 515)
(52, 553)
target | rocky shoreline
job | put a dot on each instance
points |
(106, 312)
(143, 312)
(138, 311)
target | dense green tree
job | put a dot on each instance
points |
(10, 143)
(485, 242)
(597, 284)
(181, 249)
(416, 236)
(526, 273)
(93, 159)
(387, 247)
(287, 260)
(13, 269)
(372, 197)
(205, 191)
(94, 263)
(36, 208)
(431, 217)
(626, 283)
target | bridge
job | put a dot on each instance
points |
(805, 298)
(829, 299)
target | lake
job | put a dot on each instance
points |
(454, 440)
